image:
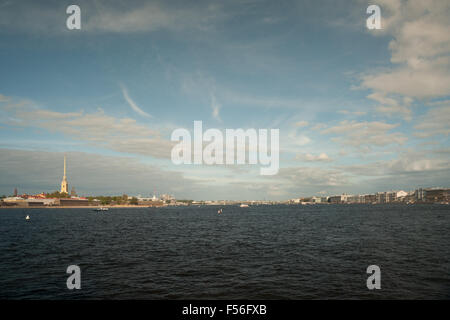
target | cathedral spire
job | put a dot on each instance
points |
(64, 184)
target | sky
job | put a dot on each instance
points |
(358, 110)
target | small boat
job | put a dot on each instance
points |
(27, 217)
(101, 209)
(219, 211)
(243, 205)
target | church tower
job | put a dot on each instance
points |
(64, 184)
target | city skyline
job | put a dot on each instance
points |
(359, 111)
(380, 196)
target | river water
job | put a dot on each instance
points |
(260, 252)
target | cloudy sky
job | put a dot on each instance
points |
(358, 110)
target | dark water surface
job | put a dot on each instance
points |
(261, 252)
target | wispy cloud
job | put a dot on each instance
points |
(132, 104)
(113, 17)
(215, 105)
(301, 124)
(434, 123)
(94, 128)
(365, 134)
(311, 157)
(355, 113)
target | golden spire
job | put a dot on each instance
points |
(64, 184)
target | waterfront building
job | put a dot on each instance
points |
(167, 197)
(437, 195)
(400, 194)
(355, 199)
(420, 194)
(382, 197)
(370, 198)
(28, 202)
(335, 199)
(391, 196)
(13, 199)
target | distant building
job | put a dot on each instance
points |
(29, 202)
(391, 196)
(420, 194)
(437, 195)
(335, 199)
(400, 194)
(382, 197)
(167, 197)
(15, 192)
(370, 198)
(13, 199)
(355, 199)
(38, 202)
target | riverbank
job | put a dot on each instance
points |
(81, 207)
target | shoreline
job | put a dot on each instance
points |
(213, 205)
(80, 207)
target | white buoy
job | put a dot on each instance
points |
(27, 217)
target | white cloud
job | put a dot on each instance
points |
(94, 128)
(300, 140)
(407, 163)
(199, 83)
(425, 81)
(152, 16)
(111, 17)
(301, 124)
(434, 123)
(323, 157)
(132, 104)
(215, 106)
(364, 133)
(393, 106)
(355, 113)
(313, 177)
(420, 53)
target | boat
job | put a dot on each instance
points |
(243, 205)
(27, 217)
(101, 209)
(219, 211)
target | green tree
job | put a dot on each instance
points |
(57, 194)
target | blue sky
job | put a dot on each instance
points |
(358, 110)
